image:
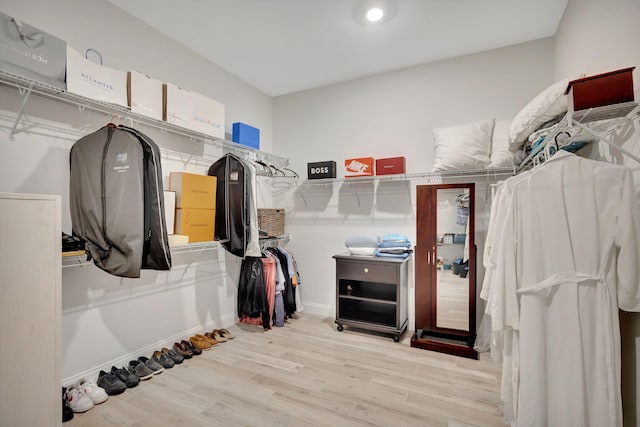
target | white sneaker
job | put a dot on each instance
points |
(77, 400)
(96, 394)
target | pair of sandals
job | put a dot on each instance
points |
(220, 335)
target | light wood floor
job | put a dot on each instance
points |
(308, 374)
(453, 301)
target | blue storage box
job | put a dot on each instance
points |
(246, 135)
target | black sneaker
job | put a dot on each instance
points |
(67, 412)
(126, 376)
(110, 383)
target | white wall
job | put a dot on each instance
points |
(107, 320)
(386, 116)
(597, 36)
(128, 44)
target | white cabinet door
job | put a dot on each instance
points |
(30, 310)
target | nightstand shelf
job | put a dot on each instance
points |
(371, 293)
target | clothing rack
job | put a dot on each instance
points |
(582, 126)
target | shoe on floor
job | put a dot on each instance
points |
(209, 338)
(67, 412)
(182, 350)
(177, 358)
(225, 333)
(95, 393)
(217, 335)
(141, 370)
(126, 376)
(192, 348)
(199, 341)
(110, 383)
(163, 359)
(77, 400)
(152, 364)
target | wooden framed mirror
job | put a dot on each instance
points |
(445, 267)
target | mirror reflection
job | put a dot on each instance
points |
(452, 289)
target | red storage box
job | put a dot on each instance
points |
(614, 87)
(361, 166)
(390, 166)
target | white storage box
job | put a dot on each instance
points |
(170, 210)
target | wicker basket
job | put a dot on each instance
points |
(271, 221)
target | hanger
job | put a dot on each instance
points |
(115, 121)
(292, 171)
(265, 167)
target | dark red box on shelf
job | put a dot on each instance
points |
(614, 87)
(390, 166)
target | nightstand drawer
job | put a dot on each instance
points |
(367, 272)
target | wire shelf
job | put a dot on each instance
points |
(27, 86)
(435, 176)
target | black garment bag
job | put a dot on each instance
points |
(232, 204)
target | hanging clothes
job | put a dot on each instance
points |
(252, 297)
(269, 266)
(236, 222)
(288, 295)
(564, 256)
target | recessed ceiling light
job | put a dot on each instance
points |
(374, 14)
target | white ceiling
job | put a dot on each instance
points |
(284, 46)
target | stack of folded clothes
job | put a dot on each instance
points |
(394, 246)
(362, 245)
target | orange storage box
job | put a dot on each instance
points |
(361, 166)
(193, 191)
(198, 224)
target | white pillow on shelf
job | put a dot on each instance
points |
(501, 156)
(548, 104)
(465, 146)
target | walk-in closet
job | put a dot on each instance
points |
(296, 213)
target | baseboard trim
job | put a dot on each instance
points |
(318, 309)
(222, 322)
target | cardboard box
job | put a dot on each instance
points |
(177, 105)
(32, 53)
(361, 166)
(208, 116)
(193, 191)
(390, 166)
(246, 135)
(170, 210)
(320, 170)
(614, 87)
(144, 95)
(198, 224)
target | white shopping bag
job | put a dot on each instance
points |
(145, 95)
(208, 116)
(95, 81)
(179, 106)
